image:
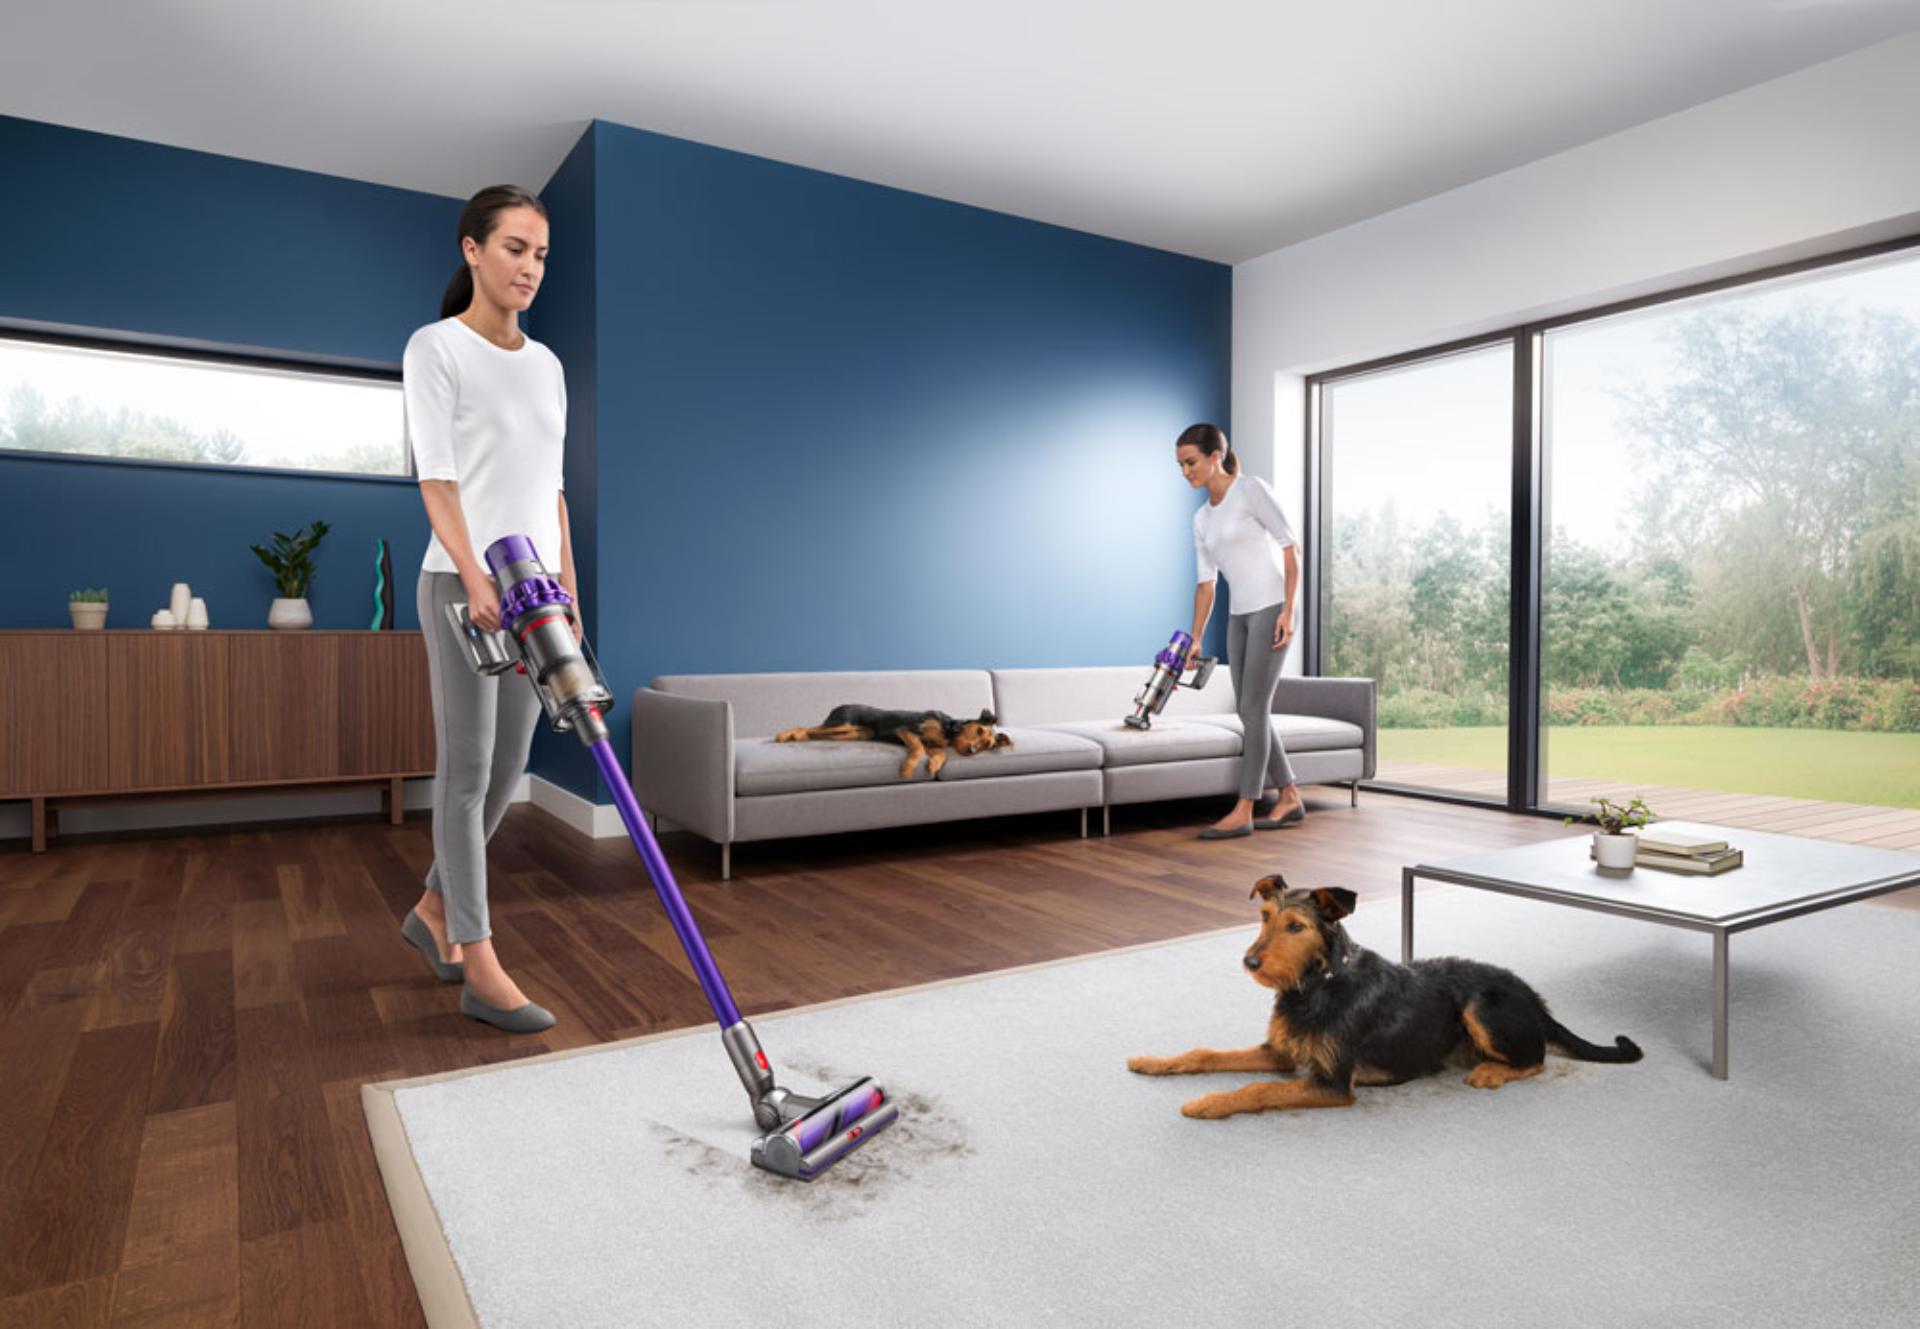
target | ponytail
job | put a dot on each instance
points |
(459, 293)
(1212, 441)
(478, 219)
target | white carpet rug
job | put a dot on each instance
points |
(1033, 1179)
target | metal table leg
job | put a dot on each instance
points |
(1406, 915)
(1720, 978)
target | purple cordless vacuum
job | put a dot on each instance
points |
(1167, 668)
(803, 1136)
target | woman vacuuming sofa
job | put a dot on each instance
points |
(1241, 531)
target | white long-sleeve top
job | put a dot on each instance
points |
(1242, 535)
(495, 423)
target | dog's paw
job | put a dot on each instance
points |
(1212, 1107)
(790, 736)
(1150, 1065)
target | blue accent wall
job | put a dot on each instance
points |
(133, 237)
(815, 423)
(841, 426)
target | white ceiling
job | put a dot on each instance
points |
(1212, 128)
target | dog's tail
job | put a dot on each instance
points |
(1623, 1049)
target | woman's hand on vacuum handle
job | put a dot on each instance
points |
(483, 602)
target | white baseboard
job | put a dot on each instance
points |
(599, 821)
(588, 818)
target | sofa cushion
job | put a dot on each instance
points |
(1034, 751)
(1168, 740)
(762, 766)
(764, 704)
(1302, 733)
(1054, 697)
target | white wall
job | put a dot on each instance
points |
(1811, 163)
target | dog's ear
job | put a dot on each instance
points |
(1003, 740)
(1268, 888)
(1334, 902)
(987, 717)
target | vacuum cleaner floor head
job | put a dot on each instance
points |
(827, 1132)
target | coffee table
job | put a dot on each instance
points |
(1782, 877)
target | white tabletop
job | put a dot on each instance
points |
(1776, 870)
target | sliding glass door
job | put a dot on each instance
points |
(1417, 512)
(1733, 550)
(1714, 599)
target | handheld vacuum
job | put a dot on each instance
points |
(803, 1136)
(1167, 668)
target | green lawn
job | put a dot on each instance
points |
(1835, 765)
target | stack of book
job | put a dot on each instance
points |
(1671, 851)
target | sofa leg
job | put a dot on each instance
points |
(1106, 820)
(726, 862)
(1353, 797)
(1083, 823)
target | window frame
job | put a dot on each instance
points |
(207, 352)
(1526, 773)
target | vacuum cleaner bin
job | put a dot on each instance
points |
(1167, 668)
(803, 1136)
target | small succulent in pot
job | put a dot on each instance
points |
(88, 607)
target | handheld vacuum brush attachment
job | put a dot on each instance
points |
(1167, 668)
(804, 1136)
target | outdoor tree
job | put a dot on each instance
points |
(1791, 437)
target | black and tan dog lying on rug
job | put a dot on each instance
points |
(926, 735)
(1346, 1016)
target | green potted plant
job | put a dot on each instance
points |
(88, 608)
(1614, 843)
(290, 560)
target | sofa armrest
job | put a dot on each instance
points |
(683, 761)
(1351, 699)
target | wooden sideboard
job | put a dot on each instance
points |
(117, 714)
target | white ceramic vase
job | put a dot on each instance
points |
(180, 602)
(289, 615)
(197, 614)
(163, 620)
(1614, 851)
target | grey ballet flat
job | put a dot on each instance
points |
(528, 1019)
(1293, 818)
(415, 930)
(1215, 833)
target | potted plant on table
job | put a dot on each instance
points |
(88, 608)
(1614, 843)
(290, 560)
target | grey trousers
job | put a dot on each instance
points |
(1255, 668)
(482, 731)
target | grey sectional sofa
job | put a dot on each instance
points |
(704, 756)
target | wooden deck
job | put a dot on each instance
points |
(1855, 823)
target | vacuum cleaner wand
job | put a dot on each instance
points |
(804, 1136)
(1167, 668)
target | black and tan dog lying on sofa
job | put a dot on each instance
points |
(928, 736)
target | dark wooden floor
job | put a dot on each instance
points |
(185, 1020)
